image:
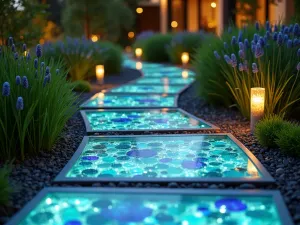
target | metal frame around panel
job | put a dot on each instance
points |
(265, 179)
(82, 106)
(90, 131)
(283, 213)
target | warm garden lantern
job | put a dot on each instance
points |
(138, 65)
(257, 105)
(185, 58)
(185, 74)
(138, 52)
(100, 73)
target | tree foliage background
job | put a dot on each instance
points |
(24, 20)
(107, 18)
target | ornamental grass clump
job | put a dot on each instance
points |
(270, 59)
(36, 101)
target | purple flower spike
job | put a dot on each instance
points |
(38, 51)
(268, 34)
(49, 77)
(233, 60)
(245, 66)
(20, 104)
(225, 45)
(289, 44)
(255, 38)
(24, 47)
(16, 56)
(42, 65)
(275, 36)
(25, 83)
(227, 59)
(257, 26)
(267, 25)
(47, 70)
(35, 63)
(241, 46)
(295, 42)
(286, 30)
(259, 51)
(10, 41)
(45, 81)
(217, 55)
(296, 29)
(18, 80)
(276, 28)
(246, 43)
(6, 89)
(28, 56)
(241, 67)
(241, 54)
(240, 36)
(261, 41)
(233, 40)
(13, 48)
(285, 38)
(254, 68)
(298, 66)
(280, 39)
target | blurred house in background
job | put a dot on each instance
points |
(208, 15)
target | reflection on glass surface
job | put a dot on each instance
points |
(141, 120)
(138, 65)
(193, 156)
(90, 208)
(143, 88)
(251, 169)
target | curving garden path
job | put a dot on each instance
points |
(159, 144)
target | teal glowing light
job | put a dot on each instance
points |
(161, 157)
(157, 89)
(141, 120)
(171, 81)
(106, 100)
(87, 206)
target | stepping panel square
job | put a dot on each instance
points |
(141, 120)
(164, 158)
(114, 100)
(102, 206)
(171, 81)
(146, 89)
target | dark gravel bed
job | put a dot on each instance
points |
(38, 172)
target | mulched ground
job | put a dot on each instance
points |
(38, 172)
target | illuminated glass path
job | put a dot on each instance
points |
(150, 104)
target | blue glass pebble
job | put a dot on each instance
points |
(231, 204)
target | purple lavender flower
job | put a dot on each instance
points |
(45, 81)
(253, 47)
(240, 36)
(246, 43)
(241, 46)
(275, 36)
(289, 44)
(24, 47)
(241, 54)
(28, 56)
(280, 39)
(296, 29)
(35, 63)
(298, 52)
(10, 41)
(217, 55)
(298, 66)
(241, 67)
(6, 89)
(42, 65)
(282, 27)
(245, 65)
(255, 38)
(38, 51)
(261, 41)
(49, 77)
(276, 28)
(47, 70)
(57, 71)
(291, 28)
(18, 80)
(268, 34)
(13, 48)
(233, 40)
(257, 26)
(20, 104)
(227, 59)
(259, 51)
(267, 25)
(225, 45)
(285, 38)
(295, 42)
(16, 56)
(233, 60)
(286, 30)
(25, 83)
(254, 68)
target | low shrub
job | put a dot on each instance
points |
(5, 188)
(141, 39)
(184, 42)
(266, 131)
(269, 60)
(80, 56)
(81, 86)
(155, 47)
(288, 140)
(36, 102)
